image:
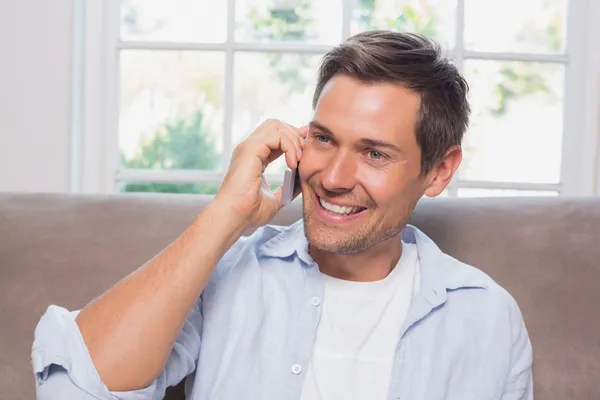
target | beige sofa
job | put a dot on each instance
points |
(67, 249)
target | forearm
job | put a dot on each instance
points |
(130, 330)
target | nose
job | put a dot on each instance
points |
(340, 173)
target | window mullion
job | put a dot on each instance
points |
(471, 184)
(228, 97)
(346, 18)
(579, 102)
(459, 56)
(111, 96)
(77, 95)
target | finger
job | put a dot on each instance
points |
(292, 129)
(273, 156)
(288, 134)
(298, 132)
(303, 131)
(266, 123)
(273, 146)
(293, 151)
(295, 136)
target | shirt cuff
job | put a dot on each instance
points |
(58, 341)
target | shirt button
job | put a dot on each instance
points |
(296, 369)
(315, 301)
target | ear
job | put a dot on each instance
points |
(441, 174)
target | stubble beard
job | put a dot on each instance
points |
(322, 237)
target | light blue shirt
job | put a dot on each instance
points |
(251, 334)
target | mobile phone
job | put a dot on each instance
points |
(291, 186)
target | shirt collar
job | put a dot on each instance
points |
(289, 241)
(440, 272)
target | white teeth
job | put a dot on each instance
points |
(337, 209)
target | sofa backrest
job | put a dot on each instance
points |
(67, 249)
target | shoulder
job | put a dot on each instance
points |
(456, 280)
(478, 285)
(483, 322)
(482, 303)
(241, 270)
(491, 316)
(249, 247)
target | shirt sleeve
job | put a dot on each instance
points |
(519, 385)
(62, 363)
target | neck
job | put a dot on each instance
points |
(369, 265)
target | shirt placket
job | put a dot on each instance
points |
(306, 330)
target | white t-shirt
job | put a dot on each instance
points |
(358, 334)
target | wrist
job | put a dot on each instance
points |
(222, 218)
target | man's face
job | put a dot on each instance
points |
(360, 170)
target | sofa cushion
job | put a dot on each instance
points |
(68, 249)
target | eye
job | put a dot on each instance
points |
(322, 138)
(375, 155)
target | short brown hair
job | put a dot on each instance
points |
(415, 62)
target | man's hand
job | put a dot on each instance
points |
(244, 188)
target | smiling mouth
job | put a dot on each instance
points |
(340, 210)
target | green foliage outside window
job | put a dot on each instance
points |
(186, 143)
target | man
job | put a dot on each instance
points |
(348, 303)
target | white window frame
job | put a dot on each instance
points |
(95, 102)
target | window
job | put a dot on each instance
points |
(185, 80)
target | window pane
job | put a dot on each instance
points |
(517, 122)
(466, 192)
(530, 26)
(174, 20)
(160, 187)
(171, 109)
(314, 21)
(273, 86)
(433, 18)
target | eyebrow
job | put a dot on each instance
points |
(364, 141)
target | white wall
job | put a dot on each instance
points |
(35, 92)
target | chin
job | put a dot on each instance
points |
(330, 246)
(340, 239)
(334, 239)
